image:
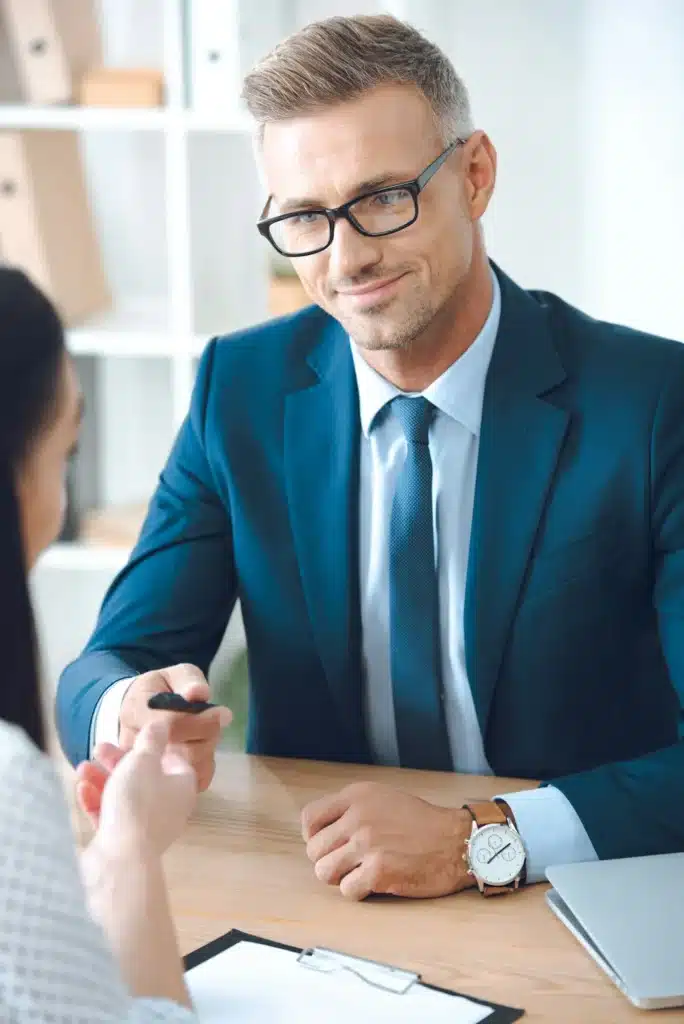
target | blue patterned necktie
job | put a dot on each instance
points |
(414, 600)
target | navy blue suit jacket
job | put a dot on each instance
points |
(574, 618)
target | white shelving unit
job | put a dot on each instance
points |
(118, 119)
(68, 557)
(174, 197)
(175, 282)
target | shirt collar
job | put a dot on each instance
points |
(459, 391)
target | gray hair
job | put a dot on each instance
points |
(338, 59)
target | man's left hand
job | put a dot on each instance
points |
(371, 838)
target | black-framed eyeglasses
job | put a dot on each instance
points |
(380, 212)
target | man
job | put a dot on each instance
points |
(453, 511)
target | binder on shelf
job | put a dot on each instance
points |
(45, 222)
(46, 46)
(214, 56)
(270, 981)
(225, 39)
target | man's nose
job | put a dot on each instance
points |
(351, 253)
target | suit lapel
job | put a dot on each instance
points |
(322, 435)
(521, 438)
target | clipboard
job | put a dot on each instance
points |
(374, 975)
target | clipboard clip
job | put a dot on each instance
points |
(379, 975)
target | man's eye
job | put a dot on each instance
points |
(398, 195)
(306, 218)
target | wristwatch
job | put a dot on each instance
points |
(494, 853)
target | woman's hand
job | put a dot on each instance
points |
(91, 779)
(139, 800)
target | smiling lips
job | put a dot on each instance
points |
(374, 291)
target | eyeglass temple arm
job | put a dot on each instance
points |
(423, 178)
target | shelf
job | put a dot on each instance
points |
(80, 557)
(134, 327)
(197, 121)
(74, 118)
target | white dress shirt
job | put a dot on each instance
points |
(550, 827)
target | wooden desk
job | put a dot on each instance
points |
(242, 864)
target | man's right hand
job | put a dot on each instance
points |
(199, 733)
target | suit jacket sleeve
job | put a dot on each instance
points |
(636, 807)
(171, 603)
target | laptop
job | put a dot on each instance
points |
(629, 914)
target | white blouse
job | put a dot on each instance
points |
(55, 965)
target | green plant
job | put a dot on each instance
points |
(233, 691)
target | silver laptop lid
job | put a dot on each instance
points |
(633, 912)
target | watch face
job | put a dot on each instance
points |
(496, 854)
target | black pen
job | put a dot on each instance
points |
(167, 701)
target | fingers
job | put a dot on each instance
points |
(360, 882)
(321, 813)
(225, 717)
(198, 733)
(203, 761)
(89, 799)
(153, 737)
(92, 773)
(200, 757)
(335, 866)
(176, 761)
(200, 754)
(328, 839)
(188, 680)
(108, 755)
(186, 728)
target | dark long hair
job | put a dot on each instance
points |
(31, 359)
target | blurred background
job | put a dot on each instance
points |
(129, 192)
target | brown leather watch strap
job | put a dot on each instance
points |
(494, 812)
(505, 807)
(486, 812)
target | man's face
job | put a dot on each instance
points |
(385, 291)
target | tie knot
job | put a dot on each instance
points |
(415, 416)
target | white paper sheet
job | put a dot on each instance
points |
(254, 984)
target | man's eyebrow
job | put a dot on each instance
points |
(379, 181)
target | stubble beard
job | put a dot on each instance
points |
(379, 330)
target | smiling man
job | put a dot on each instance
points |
(452, 510)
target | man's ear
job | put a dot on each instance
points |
(480, 165)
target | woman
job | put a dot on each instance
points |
(54, 961)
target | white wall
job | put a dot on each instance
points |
(522, 61)
(584, 100)
(633, 145)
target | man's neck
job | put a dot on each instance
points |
(449, 335)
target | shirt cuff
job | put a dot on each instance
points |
(104, 725)
(551, 830)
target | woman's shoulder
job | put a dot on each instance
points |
(15, 745)
(24, 769)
